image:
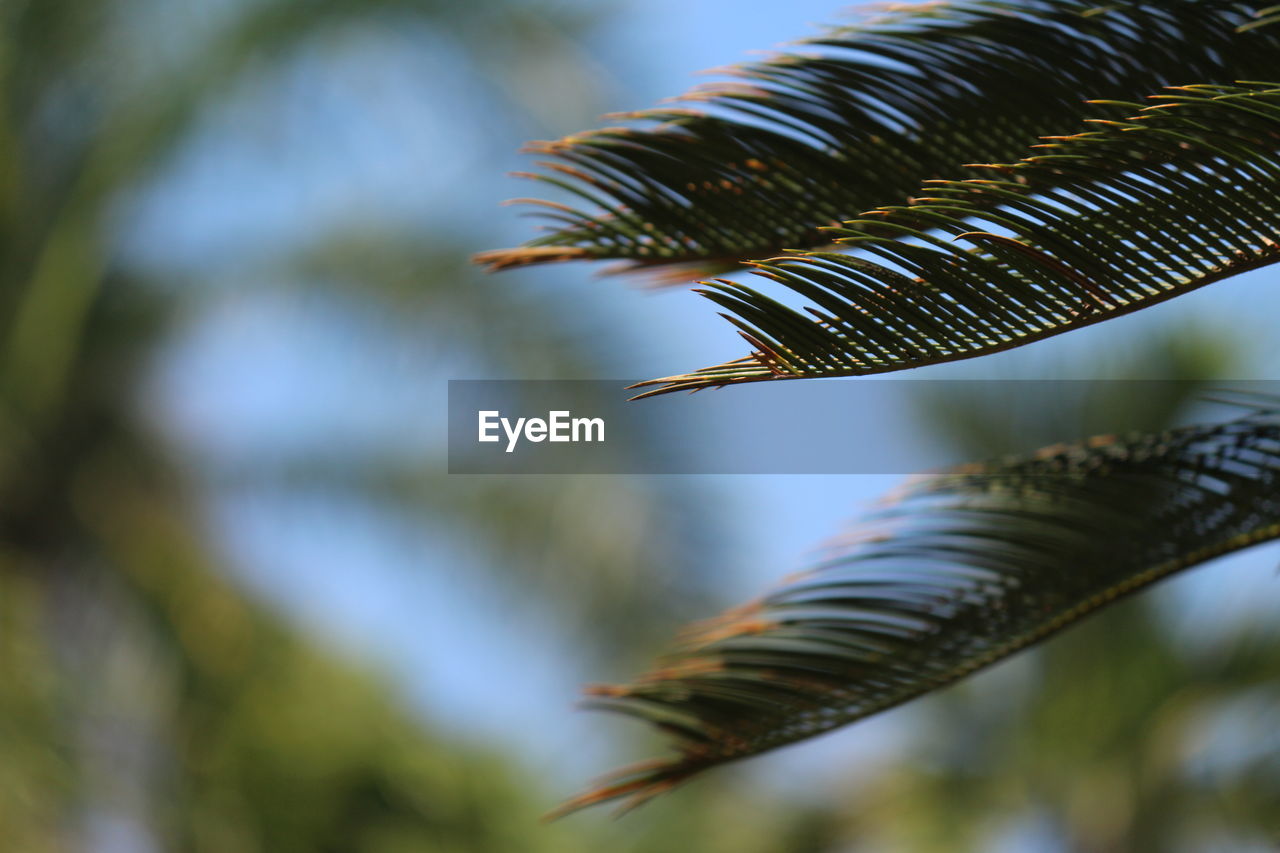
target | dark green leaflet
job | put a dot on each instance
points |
(859, 116)
(967, 568)
(1183, 193)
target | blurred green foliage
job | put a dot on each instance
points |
(141, 687)
(143, 695)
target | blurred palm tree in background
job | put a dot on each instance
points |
(146, 701)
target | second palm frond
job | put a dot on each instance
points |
(962, 570)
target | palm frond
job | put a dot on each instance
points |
(966, 568)
(859, 116)
(1097, 225)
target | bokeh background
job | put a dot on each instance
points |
(244, 609)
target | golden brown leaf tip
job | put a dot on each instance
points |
(609, 690)
(635, 785)
(504, 259)
(745, 620)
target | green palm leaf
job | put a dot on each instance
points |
(1097, 225)
(967, 568)
(861, 117)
